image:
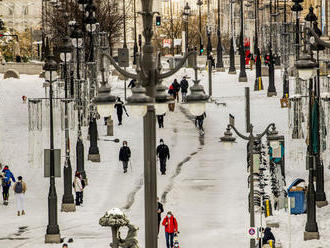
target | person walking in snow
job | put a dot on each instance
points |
(160, 210)
(176, 89)
(20, 189)
(78, 188)
(160, 120)
(163, 153)
(119, 106)
(171, 227)
(184, 85)
(6, 183)
(199, 121)
(124, 155)
(268, 235)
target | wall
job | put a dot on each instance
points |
(23, 68)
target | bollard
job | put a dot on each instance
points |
(109, 126)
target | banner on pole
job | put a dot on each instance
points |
(167, 43)
(177, 42)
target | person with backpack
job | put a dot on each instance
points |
(124, 155)
(163, 153)
(171, 228)
(184, 88)
(78, 188)
(6, 183)
(119, 106)
(20, 189)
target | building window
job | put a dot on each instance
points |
(25, 10)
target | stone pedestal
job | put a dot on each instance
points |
(270, 94)
(68, 207)
(231, 72)
(94, 157)
(311, 235)
(222, 69)
(242, 79)
(321, 204)
(52, 238)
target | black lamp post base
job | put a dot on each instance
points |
(232, 71)
(321, 204)
(258, 84)
(311, 235)
(52, 238)
(94, 157)
(242, 78)
(68, 207)
(271, 93)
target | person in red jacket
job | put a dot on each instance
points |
(171, 227)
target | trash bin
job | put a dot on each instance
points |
(298, 193)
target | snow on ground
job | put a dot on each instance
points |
(205, 186)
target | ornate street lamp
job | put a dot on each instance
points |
(219, 64)
(186, 14)
(271, 91)
(242, 73)
(68, 204)
(53, 230)
(135, 49)
(200, 3)
(258, 82)
(232, 69)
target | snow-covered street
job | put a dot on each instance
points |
(205, 185)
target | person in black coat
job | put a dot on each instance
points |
(176, 89)
(119, 106)
(124, 155)
(160, 120)
(163, 153)
(268, 235)
(160, 210)
(184, 88)
(199, 121)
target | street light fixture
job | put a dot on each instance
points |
(242, 73)
(68, 204)
(53, 230)
(186, 13)
(200, 3)
(219, 64)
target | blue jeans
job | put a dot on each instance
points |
(169, 239)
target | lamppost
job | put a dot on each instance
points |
(296, 7)
(200, 3)
(124, 23)
(172, 28)
(208, 31)
(271, 85)
(77, 42)
(135, 48)
(148, 98)
(186, 13)
(232, 69)
(219, 64)
(53, 230)
(68, 204)
(285, 55)
(258, 82)
(251, 138)
(242, 73)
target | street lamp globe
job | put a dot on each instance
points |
(306, 68)
(162, 99)
(186, 9)
(138, 101)
(197, 99)
(50, 68)
(105, 101)
(66, 50)
(81, 4)
(91, 22)
(77, 37)
(199, 3)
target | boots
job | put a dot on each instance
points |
(18, 214)
(23, 212)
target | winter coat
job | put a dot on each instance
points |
(23, 186)
(201, 117)
(124, 153)
(268, 235)
(161, 208)
(163, 151)
(172, 224)
(171, 90)
(184, 85)
(78, 187)
(176, 86)
(119, 105)
(8, 176)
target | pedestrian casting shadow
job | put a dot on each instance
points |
(16, 236)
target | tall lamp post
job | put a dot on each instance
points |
(172, 28)
(242, 73)
(208, 32)
(135, 48)
(251, 138)
(53, 230)
(232, 69)
(148, 98)
(258, 82)
(219, 64)
(186, 13)
(68, 204)
(285, 55)
(200, 3)
(271, 86)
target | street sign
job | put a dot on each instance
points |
(252, 232)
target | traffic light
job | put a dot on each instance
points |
(201, 50)
(158, 20)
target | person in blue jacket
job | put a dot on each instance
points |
(6, 183)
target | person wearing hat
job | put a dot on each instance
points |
(124, 155)
(20, 189)
(171, 227)
(6, 183)
(163, 153)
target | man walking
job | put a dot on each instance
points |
(78, 188)
(119, 106)
(160, 210)
(124, 155)
(19, 189)
(171, 227)
(163, 153)
(6, 183)
(160, 120)
(184, 88)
